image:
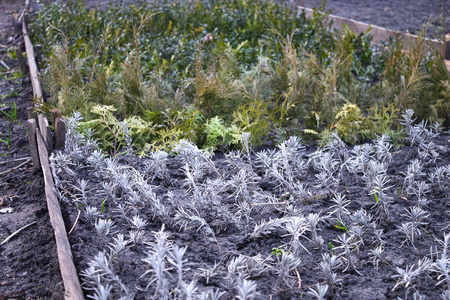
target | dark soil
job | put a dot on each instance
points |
(231, 241)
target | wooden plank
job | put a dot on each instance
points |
(69, 274)
(32, 127)
(37, 90)
(379, 33)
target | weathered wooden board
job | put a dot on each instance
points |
(69, 274)
(379, 34)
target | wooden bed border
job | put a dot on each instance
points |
(380, 34)
(41, 143)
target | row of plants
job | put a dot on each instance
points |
(208, 71)
(335, 222)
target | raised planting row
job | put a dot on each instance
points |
(364, 222)
(209, 71)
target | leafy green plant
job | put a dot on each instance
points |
(218, 135)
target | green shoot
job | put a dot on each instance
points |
(103, 205)
(12, 115)
(341, 225)
(332, 247)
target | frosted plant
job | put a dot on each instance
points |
(407, 276)
(73, 138)
(101, 270)
(437, 175)
(61, 163)
(436, 127)
(296, 228)
(209, 272)
(360, 157)
(138, 222)
(242, 185)
(211, 295)
(118, 248)
(184, 290)
(420, 190)
(266, 227)
(326, 182)
(410, 230)
(362, 217)
(101, 292)
(375, 170)
(358, 232)
(442, 268)
(376, 255)
(338, 148)
(96, 162)
(383, 149)
(136, 237)
(347, 244)
(286, 268)
(264, 160)
(91, 213)
(313, 221)
(189, 291)
(246, 289)
(382, 203)
(103, 227)
(319, 292)
(90, 144)
(156, 166)
(414, 170)
(190, 155)
(246, 142)
(128, 139)
(237, 161)
(408, 119)
(324, 161)
(428, 152)
(340, 206)
(190, 219)
(328, 266)
(81, 198)
(156, 259)
(417, 216)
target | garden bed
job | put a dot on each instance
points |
(216, 214)
(261, 223)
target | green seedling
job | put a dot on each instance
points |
(376, 198)
(103, 205)
(8, 140)
(12, 115)
(341, 225)
(332, 247)
(400, 190)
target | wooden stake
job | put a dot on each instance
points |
(31, 126)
